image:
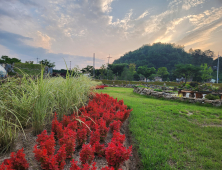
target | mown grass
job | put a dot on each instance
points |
(173, 135)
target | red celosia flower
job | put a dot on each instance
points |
(115, 125)
(69, 139)
(66, 120)
(81, 136)
(57, 128)
(94, 136)
(73, 125)
(87, 167)
(86, 154)
(118, 138)
(16, 161)
(117, 154)
(99, 149)
(61, 157)
(48, 162)
(47, 142)
(103, 129)
(74, 165)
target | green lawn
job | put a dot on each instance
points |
(173, 135)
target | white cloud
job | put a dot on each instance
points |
(143, 15)
(187, 4)
(106, 5)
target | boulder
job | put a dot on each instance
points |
(216, 103)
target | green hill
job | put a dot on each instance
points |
(165, 55)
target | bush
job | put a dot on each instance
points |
(159, 90)
(211, 97)
(194, 84)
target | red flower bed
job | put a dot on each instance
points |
(103, 113)
(101, 86)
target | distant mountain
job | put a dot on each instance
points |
(165, 55)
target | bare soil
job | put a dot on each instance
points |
(29, 142)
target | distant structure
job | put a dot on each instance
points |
(3, 72)
(158, 79)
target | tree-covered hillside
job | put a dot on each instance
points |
(165, 55)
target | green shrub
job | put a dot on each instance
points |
(159, 90)
(211, 97)
(188, 86)
(194, 84)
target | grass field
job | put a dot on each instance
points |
(30, 69)
(173, 135)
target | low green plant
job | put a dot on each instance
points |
(7, 134)
(212, 97)
(140, 86)
(187, 86)
(159, 90)
(194, 84)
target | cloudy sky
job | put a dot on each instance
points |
(72, 30)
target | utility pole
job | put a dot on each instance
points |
(217, 67)
(37, 60)
(93, 65)
(108, 66)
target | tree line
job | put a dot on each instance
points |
(168, 61)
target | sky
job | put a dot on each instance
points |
(72, 30)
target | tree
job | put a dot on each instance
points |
(47, 63)
(117, 68)
(127, 74)
(187, 71)
(132, 67)
(102, 71)
(88, 69)
(5, 59)
(206, 72)
(145, 71)
(110, 75)
(162, 72)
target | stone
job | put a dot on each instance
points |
(191, 100)
(216, 103)
(199, 100)
(208, 101)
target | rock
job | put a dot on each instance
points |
(216, 103)
(197, 100)
(191, 100)
(208, 101)
(163, 88)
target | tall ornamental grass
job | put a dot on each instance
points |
(31, 102)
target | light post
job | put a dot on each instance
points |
(218, 67)
(108, 66)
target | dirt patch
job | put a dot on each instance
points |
(29, 142)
